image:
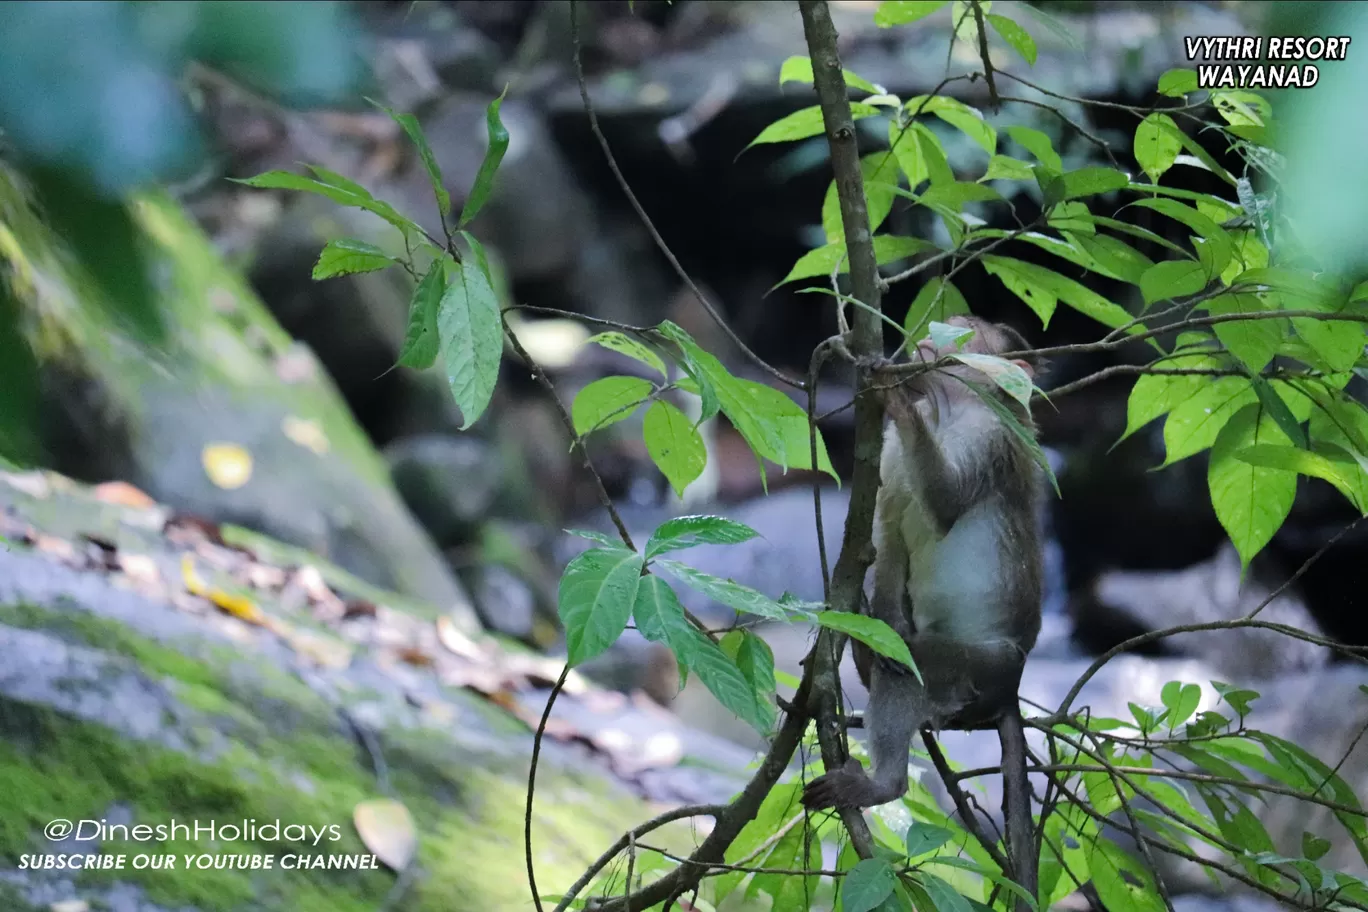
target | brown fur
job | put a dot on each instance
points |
(955, 522)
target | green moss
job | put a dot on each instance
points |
(468, 810)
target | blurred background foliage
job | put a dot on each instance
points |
(93, 105)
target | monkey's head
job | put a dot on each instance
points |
(943, 383)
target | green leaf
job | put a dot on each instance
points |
(1010, 377)
(725, 591)
(799, 69)
(349, 193)
(945, 897)
(804, 123)
(624, 344)
(1314, 847)
(1022, 279)
(954, 195)
(1039, 145)
(1091, 181)
(421, 341)
(345, 256)
(471, 330)
(1156, 145)
(597, 593)
(943, 335)
(690, 531)
(415, 134)
(957, 114)
(607, 541)
(871, 631)
(1181, 700)
(926, 837)
(1172, 279)
(726, 682)
(1331, 464)
(608, 401)
(481, 260)
(1254, 342)
(871, 881)
(1340, 425)
(1339, 344)
(1012, 33)
(1157, 394)
(937, 301)
(1251, 502)
(753, 656)
(1214, 234)
(901, 12)
(1113, 256)
(675, 445)
(823, 261)
(494, 153)
(1000, 167)
(1248, 253)
(1280, 410)
(1193, 424)
(1177, 83)
(659, 617)
(880, 171)
(890, 248)
(1047, 286)
(1122, 883)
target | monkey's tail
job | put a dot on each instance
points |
(1016, 805)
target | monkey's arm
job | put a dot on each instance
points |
(948, 489)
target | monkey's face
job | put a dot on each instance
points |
(987, 339)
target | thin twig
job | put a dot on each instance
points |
(650, 225)
(961, 803)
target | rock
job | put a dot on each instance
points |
(506, 604)
(126, 699)
(1209, 592)
(228, 376)
(448, 482)
(355, 324)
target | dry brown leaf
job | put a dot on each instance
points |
(455, 640)
(358, 608)
(227, 465)
(59, 548)
(123, 494)
(414, 656)
(188, 529)
(386, 828)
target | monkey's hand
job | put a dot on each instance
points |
(847, 787)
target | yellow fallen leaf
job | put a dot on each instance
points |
(455, 640)
(306, 432)
(239, 606)
(228, 465)
(193, 584)
(386, 828)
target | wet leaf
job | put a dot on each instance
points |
(386, 828)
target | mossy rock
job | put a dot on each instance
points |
(128, 707)
(227, 374)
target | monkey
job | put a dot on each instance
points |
(957, 572)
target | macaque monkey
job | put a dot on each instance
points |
(957, 570)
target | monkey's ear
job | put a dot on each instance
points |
(1026, 366)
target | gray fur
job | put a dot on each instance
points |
(956, 522)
